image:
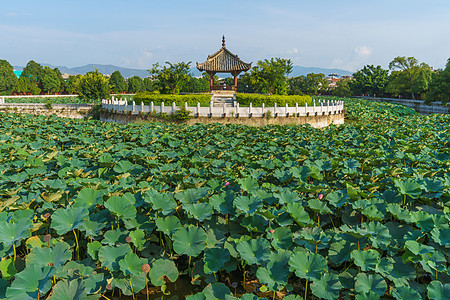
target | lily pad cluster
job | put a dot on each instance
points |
(356, 211)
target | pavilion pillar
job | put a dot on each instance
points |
(211, 80)
(235, 83)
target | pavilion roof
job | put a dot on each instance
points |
(223, 61)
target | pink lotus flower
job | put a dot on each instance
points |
(271, 231)
(320, 196)
(227, 183)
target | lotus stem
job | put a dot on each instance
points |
(146, 285)
(76, 242)
(14, 248)
(306, 289)
(132, 292)
(273, 296)
(189, 262)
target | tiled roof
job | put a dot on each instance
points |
(224, 61)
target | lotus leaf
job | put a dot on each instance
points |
(131, 264)
(215, 259)
(122, 166)
(87, 198)
(64, 220)
(217, 291)
(318, 206)
(366, 260)
(56, 256)
(130, 286)
(191, 196)
(366, 283)
(7, 268)
(92, 249)
(163, 202)
(441, 236)
(299, 214)
(199, 211)
(30, 283)
(254, 251)
(437, 291)
(409, 187)
(110, 256)
(74, 289)
(163, 268)
(138, 238)
(337, 198)
(327, 287)
(423, 220)
(281, 238)
(168, 225)
(120, 207)
(367, 296)
(276, 273)
(308, 266)
(247, 204)
(11, 232)
(248, 184)
(189, 240)
(405, 293)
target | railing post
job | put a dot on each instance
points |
(198, 109)
(237, 110)
(224, 111)
(162, 108)
(142, 106)
(250, 110)
(328, 106)
(133, 107)
(211, 104)
(296, 109)
(152, 108)
(286, 114)
(263, 114)
(275, 110)
(173, 107)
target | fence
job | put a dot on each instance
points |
(319, 108)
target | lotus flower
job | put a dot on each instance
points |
(320, 196)
(227, 183)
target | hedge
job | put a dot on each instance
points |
(270, 100)
(192, 99)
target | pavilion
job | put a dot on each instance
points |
(223, 61)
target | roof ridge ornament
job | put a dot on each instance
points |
(223, 40)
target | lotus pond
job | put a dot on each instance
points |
(98, 210)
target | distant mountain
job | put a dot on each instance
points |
(127, 73)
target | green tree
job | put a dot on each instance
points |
(94, 86)
(26, 86)
(296, 85)
(440, 86)
(408, 76)
(269, 76)
(71, 86)
(171, 78)
(135, 84)
(196, 85)
(117, 83)
(33, 71)
(50, 81)
(8, 79)
(370, 80)
(150, 85)
(343, 88)
(315, 83)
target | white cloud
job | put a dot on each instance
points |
(363, 51)
(292, 51)
(143, 61)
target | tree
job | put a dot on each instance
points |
(296, 85)
(370, 80)
(171, 78)
(135, 84)
(269, 76)
(94, 86)
(196, 85)
(8, 79)
(150, 85)
(440, 86)
(72, 84)
(117, 83)
(310, 84)
(343, 88)
(33, 71)
(408, 76)
(26, 86)
(50, 82)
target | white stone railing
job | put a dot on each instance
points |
(319, 108)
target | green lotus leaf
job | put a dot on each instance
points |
(438, 291)
(357, 233)
(33, 282)
(74, 289)
(198, 296)
(120, 207)
(287, 197)
(366, 283)
(379, 233)
(131, 264)
(433, 185)
(215, 258)
(248, 184)
(56, 256)
(441, 236)
(298, 213)
(92, 249)
(64, 220)
(398, 212)
(423, 220)
(327, 287)
(138, 238)
(276, 273)
(418, 249)
(405, 293)
(367, 296)
(191, 196)
(254, 297)
(435, 262)
(11, 232)
(301, 173)
(308, 266)
(114, 237)
(199, 211)
(223, 202)
(7, 268)
(87, 198)
(217, 291)
(385, 266)
(110, 256)
(105, 160)
(163, 268)
(337, 198)
(318, 206)
(163, 202)
(254, 251)
(339, 251)
(401, 272)
(130, 286)
(247, 204)
(281, 238)
(189, 240)
(123, 166)
(409, 187)
(168, 225)
(366, 260)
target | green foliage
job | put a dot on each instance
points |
(440, 86)
(26, 86)
(94, 86)
(117, 83)
(33, 71)
(269, 76)
(181, 115)
(171, 78)
(51, 81)
(343, 88)
(310, 84)
(370, 80)
(135, 85)
(270, 100)
(8, 79)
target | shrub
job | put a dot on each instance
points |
(191, 100)
(270, 100)
(181, 115)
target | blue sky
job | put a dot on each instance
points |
(346, 34)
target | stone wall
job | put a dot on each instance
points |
(315, 121)
(73, 111)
